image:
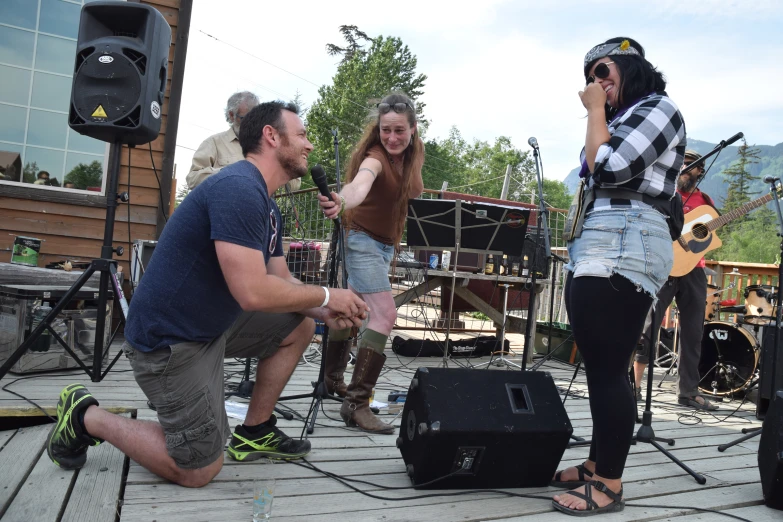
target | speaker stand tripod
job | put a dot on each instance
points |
(108, 270)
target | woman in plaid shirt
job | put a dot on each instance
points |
(633, 151)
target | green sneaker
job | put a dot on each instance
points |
(269, 442)
(68, 440)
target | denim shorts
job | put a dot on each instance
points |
(632, 242)
(184, 382)
(367, 261)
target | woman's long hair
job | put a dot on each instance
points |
(413, 159)
(638, 77)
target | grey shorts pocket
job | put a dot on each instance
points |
(192, 435)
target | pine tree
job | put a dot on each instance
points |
(739, 178)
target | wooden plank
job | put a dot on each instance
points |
(17, 459)
(139, 214)
(754, 513)
(36, 224)
(31, 411)
(43, 493)
(96, 493)
(5, 436)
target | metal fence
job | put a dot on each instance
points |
(307, 239)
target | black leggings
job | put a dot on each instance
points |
(607, 317)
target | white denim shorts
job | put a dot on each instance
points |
(632, 242)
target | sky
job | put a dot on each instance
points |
(496, 67)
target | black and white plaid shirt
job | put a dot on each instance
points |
(644, 154)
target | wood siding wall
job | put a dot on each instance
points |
(75, 229)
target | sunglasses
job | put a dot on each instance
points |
(399, 108)
(601, 71)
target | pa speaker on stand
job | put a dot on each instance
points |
(119, 81)
(120, 72)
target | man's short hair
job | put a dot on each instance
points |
(237, 99)
(268, 113)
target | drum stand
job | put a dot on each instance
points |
(749, 434)
(674, 356)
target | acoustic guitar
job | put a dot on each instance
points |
(698, 235)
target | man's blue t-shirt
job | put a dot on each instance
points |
(183, 295)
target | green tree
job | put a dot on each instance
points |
(739, 178)
(84, 175)
(182, 192)
(363, 77)
(299, 101)
(556, 194)
(29, 172)
(751, 241)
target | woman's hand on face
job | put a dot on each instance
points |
(593, 97)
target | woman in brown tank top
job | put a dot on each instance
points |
(384, 172)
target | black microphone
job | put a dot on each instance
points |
(770, 179)
(319, 178)
(731, 140)
(533, 143)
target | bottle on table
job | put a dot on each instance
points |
(504, 266)
(489, 265)
(525, 267)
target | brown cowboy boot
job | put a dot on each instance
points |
(336, 359)
(356, 406)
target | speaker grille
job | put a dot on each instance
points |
(131, 120)
(109, 82)
(80, 57)
(138, 59)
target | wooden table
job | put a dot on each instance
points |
(433, 279)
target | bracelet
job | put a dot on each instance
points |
(342, 205)
(326, 299)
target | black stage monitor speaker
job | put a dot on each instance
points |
(438, 224)
(771, 453)
(119, 79)
(769, 383)
(482, 429)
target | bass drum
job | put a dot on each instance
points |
(729, 357)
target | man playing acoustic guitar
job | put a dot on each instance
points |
(690, 290)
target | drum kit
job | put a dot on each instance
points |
(730, 351)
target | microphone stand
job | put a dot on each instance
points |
(543, 229)
(699, 162)
(749, 434)
(336, 258)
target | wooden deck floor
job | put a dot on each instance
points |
(111, 488)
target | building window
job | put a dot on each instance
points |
(37, 148)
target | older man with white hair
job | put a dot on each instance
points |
(222, 149)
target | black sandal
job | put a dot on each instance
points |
(583, 472)
(617, 504)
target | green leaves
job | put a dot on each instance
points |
(363, 77)
(86, 175)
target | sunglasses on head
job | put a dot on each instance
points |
(601, 71)
(399, 108)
